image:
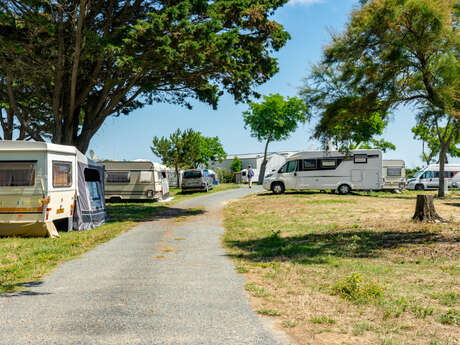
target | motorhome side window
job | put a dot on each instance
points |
(118, 176)
(328, 163)
(17, 174)
(360, 158)
(62, 174)
(447, 174)
(394, 171)
(309, 164)
(146, 177)
(427, 174)
(289, 167)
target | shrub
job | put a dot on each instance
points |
(452, 317)
(353, 289)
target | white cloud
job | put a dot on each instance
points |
(304, 2)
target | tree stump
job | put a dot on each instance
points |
(425, 211)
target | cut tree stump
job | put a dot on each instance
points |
(425, 211)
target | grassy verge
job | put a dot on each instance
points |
(26, 260)
(353, 269)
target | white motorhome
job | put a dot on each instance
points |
(394, 174)
(334, 170)
(428, 178)
(135, 180)
(42, 184)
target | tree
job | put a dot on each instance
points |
(82, 61)
(273, 120)
(211, 150)
(236, 165)
(430, 140)
(396, 52)
(187, 149)
(180, 151)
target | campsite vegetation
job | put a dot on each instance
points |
(353, 269)
(25, 261)
(187, 149)
(392, 52)
(68, 65)
(274, 119)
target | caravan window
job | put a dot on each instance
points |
(62, 174)
(309, 164)
(118, 177)
(17, 174)
(146, 177)
(394, 171)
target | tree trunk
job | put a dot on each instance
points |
(177, 176)
(264, 164)
(425, 211)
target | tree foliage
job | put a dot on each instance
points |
(67, 65)
(187, 149)
(274, 119)
(236, 165)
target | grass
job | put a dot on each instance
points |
(357, 259)
(24, 261)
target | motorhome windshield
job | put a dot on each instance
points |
(192, 174)
(17, 174)
(418, 173)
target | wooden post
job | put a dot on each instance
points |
(425, 211)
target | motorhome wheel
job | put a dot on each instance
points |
(419, 187)
(344, 189)
(278, 188)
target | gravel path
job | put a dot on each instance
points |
(164, 282)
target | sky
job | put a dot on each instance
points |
(309, 23)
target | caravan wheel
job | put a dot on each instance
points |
(344, 189)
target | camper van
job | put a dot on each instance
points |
(197, 179)
(135, 180)
(43, 184)
(428, 178)
(334, 170)
(394, 174)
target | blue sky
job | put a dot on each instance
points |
(309, 22)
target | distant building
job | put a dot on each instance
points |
(253, 159)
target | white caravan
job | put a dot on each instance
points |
(394, 174)
(334, 170)
(428, 178)
(42, 183)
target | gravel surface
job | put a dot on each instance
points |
(164, 282)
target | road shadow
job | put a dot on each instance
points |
(21, 293)
(316, 248)
(145, 213)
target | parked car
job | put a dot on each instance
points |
(197, 179)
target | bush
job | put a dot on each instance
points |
(224, 175)
(353, 289)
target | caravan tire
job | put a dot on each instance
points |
(344, 189)
(419, 187)
(278, 188)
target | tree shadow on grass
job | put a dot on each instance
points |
(316, 248)
(146, 213)
(27, 285)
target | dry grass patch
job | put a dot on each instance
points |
(358, 260)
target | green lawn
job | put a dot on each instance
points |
(350, 269)
(25, 260)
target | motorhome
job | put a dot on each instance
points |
(135, 180)
(394, 174)
(331, 170)
(428, 178)
(197, 179)
(43, 185)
